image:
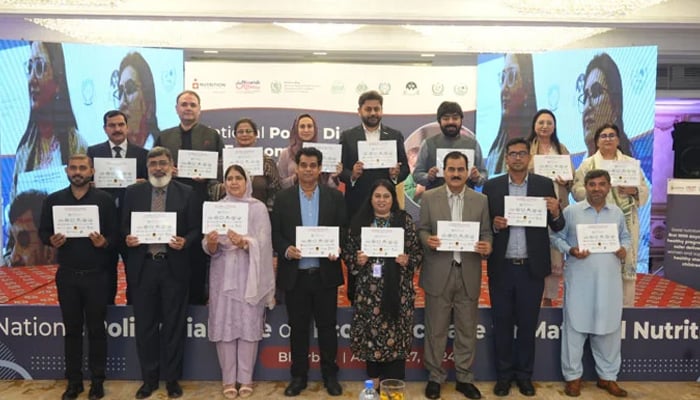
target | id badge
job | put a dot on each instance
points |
(376, 270)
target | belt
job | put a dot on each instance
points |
(158, 256)
(80, 272)
(456, 264)
(518, 261)
(310, 271)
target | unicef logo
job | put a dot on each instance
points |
(276, 86)
(438, 88)
(461, 89)
(384, 88)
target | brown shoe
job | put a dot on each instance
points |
(612, 388)
(573, 388)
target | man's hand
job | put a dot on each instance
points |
(580, 254)
(500, 223)
(57, 240)
(357, 170)
(98, 240)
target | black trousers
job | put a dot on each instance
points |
(82, 296)
(395, 369)
(310, 299)
(199, 269)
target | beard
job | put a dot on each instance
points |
(371, 122)
(450, 130)
(159, 182)
(79, 181)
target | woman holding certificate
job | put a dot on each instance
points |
(381, 332)
(241, 283)
(544, 142)
(629, 197)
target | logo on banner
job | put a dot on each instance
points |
(461, 89)
(438, 88)
(276, 86)
(195, 84)
(215, 86)
(384, 88)
(247, 86)
(361, 88)
(168, 78)
(337, 87)
(411, 88)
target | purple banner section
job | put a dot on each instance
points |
(658, 345)
(682, 260)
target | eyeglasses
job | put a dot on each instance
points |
(127, 89)
(37, 66)
(159, 163)
(518, 154)
(508, 76)
(244, 131)
(605, 136)
(591, 95)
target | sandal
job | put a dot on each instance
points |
(230, 391)
(246, 390)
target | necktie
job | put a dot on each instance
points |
(157, 204)
(456, 211)
(117, 151)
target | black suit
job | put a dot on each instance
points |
(516, 289)
(160, 287)
(104, 150)
(309, 294)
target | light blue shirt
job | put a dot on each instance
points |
(309, 217)
(517, 243)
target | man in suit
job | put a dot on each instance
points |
(192, 135)
(310, 284)
(159, 273)
(452, 280)
(117, 146)
(517, 268)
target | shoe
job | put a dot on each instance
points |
(468, 389)
(246, 390)
(97, 391)
(230, 391)
(612, 388)
(432, 390)
(333, 387)
(573, 388)
(295, 387)
(145, 391)
(526, 387)
(502, 388)
(72, 391)
(174, 389)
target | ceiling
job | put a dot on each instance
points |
(440, 32)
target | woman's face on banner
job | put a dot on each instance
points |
(133, 104)
(513, 94)
(42, 86)
(598, 107)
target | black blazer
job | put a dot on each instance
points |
(537, 238)
(104, 150)
(286, 216)
(179, 199)
(355, 195)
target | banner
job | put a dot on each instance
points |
(682, 260)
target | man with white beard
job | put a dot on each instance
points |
(159, 273)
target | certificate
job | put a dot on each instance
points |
(458, 235)
(440, 158)
(553, 166)
(382, 242)
(153, 227)
(622, 172)
(76, 221)
(250, 158)
(197, 164)
(525, 211)
(331, 154)
(598, 238)
(379, 154)
(318, 241)
(114, 172)
(221, 216)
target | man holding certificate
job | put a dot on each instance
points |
(596, 240)
(522, 205)
(451, 274)
(81, 223)
(308, 212)
(161, 220)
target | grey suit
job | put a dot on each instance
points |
(448, 287)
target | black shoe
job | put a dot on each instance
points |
(502, 388)
(295, 387)
(146, 390)
(432, 390)
(468, 389)
(97, 391)
(174, 389)
(332, 386)
(72, 391)
(526, 387)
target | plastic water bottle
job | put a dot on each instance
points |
(368, 393)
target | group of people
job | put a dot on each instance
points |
(163, 278)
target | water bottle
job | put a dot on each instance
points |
(368, 393)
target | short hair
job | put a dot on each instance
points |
(80, 156)
(111, 114)
(309, 152)
(370, 95)
(245, 121)
(449, 107)
(596, 173)
(607, 125)
(454, 155)
(237, 168)
(518, 140)
(30, 200)
(184, 92)
(158, 151)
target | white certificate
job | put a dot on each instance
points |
(382, 242)
(525, 211)
(76, 221)
(622, 172)
(153, 227)
(598, 238)
(318, 241)
(250, 158)
(440, 158)
(114, 172)
(458, 235)
(553, 166)
(331, 154)
(221, 216)
(197, 164)
(379, 154)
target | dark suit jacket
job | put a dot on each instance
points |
(286, 216)
(179, 199)
(104, 150)
(355, 195)
(537, 238)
